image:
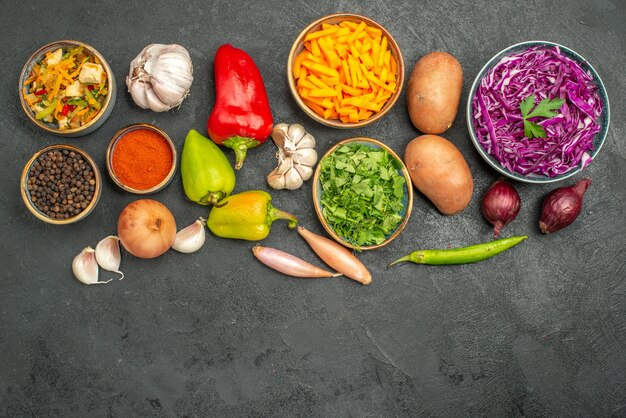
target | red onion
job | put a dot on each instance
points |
(562, 206)
(500, 205)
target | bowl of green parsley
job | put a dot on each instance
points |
(362, 193)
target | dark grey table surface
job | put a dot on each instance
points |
(537, 331)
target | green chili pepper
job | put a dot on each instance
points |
(464, 255)
(47, 111)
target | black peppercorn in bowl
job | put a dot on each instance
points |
(60, 184)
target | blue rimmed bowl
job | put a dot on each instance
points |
(603, 120)
(407, 200)
(52, 127)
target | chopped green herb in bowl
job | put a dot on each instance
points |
(361, 194)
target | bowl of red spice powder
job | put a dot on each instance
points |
(141, 158)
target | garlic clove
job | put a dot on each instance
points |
(108, 254)
(305, 156)
(153, 100)
(137, 92)
(293, 180)
(279, 134)
(168, 93)
(85, 267)
(289, 147)
(276, 180)
(137, 71)
(172, 78)
(191, 238)
(148, 55)
(296, 132)
(284, 164)
(307, 141)
(304, 170)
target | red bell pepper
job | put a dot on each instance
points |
(241, 118)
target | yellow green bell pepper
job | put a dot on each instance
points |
(247, 215)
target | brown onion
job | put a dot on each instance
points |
(562, 206)
(146, 228)
(500, 205)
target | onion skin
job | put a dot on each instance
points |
(289, 264)
(500, 205)
(562, 206)
(336, 256)
(146, 228)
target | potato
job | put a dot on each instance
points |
(440, 172)
(434, 92)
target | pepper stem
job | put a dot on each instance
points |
(212, 198)
(414, 257)
(274, 214)
(240, 145)
(400, 260)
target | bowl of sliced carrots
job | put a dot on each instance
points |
(67, 88)
(345, 70)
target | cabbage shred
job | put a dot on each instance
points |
(545, 73)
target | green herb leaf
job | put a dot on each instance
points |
(533, 130)
(544, 109)
(527, 104)
(362, 193)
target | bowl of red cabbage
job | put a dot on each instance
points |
(538, 112)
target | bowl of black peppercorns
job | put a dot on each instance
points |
(60, 184)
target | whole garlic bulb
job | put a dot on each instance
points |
(160, 77)
(296, 156)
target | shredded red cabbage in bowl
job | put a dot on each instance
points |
(547, 73)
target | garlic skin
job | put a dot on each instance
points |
(296, 156)
(191, 238)
(108, 254)
(160, 77)
(85, 267)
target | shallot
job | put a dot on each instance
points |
(336, 256)
(289, 264)
(562, 206)
(500, 205)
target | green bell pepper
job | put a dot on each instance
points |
(207, 174)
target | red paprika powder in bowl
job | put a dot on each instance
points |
(141, 158)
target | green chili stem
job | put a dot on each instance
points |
(464, 255)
